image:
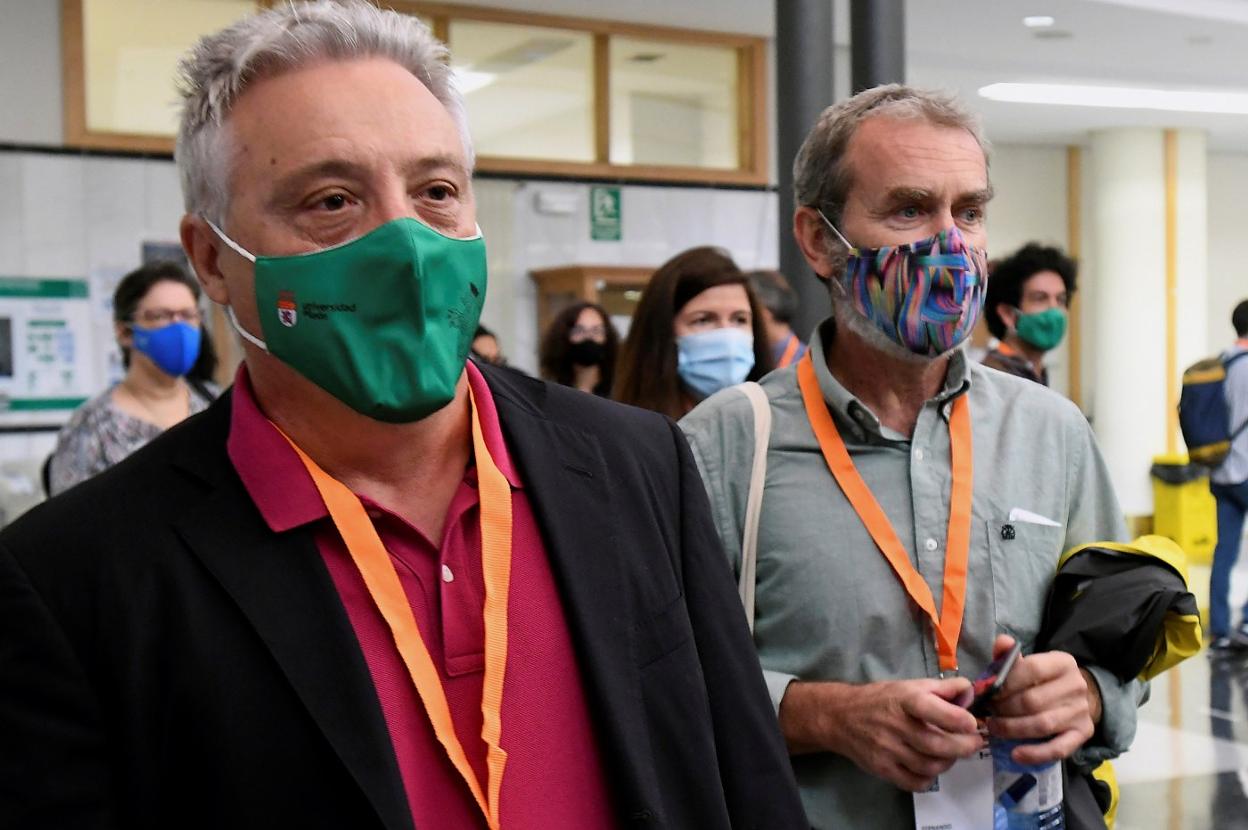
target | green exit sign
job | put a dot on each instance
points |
(604, 213)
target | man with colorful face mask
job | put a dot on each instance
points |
(914, 505)
(375, 585)
(1027, 305)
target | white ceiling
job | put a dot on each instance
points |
(967, 44)
(1112, 42)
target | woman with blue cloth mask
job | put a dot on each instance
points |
(168, 361)
(697, 329)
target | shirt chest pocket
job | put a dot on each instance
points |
(1024, 560)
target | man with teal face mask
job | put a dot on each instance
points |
(1028, 305)
(375, 585)
(914, 504)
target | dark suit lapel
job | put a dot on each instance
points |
(280, 583)
(566, 483)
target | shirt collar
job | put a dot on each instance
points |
(1019, 364)
(276, 479)
(491, 427)
(778, 350)
(855, 413)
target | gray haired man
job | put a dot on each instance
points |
(375, 585)
(915, 504)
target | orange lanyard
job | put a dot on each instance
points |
(373, 562)
(1006, 349)
(790, 351)
(948, 626)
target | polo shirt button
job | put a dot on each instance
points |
(918, 455)
(447, 576)
(930, 544)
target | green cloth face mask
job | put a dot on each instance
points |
(1042, 330)
(383, 322)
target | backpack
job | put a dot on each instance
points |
(1204, 415)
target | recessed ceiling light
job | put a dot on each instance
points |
(1138, 98)
(1039, 21)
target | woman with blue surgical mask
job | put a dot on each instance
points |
(697, 329)
(168, 362)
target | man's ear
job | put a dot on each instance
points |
(202, 248)
(812, 235)
(1007, 315)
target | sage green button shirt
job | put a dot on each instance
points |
(829, 607)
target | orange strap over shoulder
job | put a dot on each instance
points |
(790, 351)
(948, 625)
(373, 561)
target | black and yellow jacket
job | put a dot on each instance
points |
(1127, 609)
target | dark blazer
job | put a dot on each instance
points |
(168, 661)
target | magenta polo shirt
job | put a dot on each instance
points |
(554, 776)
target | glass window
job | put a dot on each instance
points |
(674, 104)
(529, 89)
(130, 53)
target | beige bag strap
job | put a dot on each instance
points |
(754, 501)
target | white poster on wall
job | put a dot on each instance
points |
(45, 348)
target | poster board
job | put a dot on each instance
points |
(46, 366)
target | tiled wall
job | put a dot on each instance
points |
(80, 217)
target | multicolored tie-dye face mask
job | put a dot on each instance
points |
(926, 295)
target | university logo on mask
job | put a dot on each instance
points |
(287, 311)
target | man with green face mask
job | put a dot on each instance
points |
(1029, 296)
(375, 585)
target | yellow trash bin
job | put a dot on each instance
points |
(1183, 507)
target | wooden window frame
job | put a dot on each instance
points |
(752, 131)
(74, 94)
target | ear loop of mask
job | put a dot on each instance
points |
(839, 235)
(229, 309)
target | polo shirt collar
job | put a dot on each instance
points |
(276, 479)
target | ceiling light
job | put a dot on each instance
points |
(469, 81)
(1077, 95)
(1039, 21)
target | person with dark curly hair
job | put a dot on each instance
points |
(1028, 299)
(579, 349)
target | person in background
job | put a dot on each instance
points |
(485, 347)
(156, 318)
(1028, 300)
(697, 329)
(579, 349)
(779, 305)
(1229, 483)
